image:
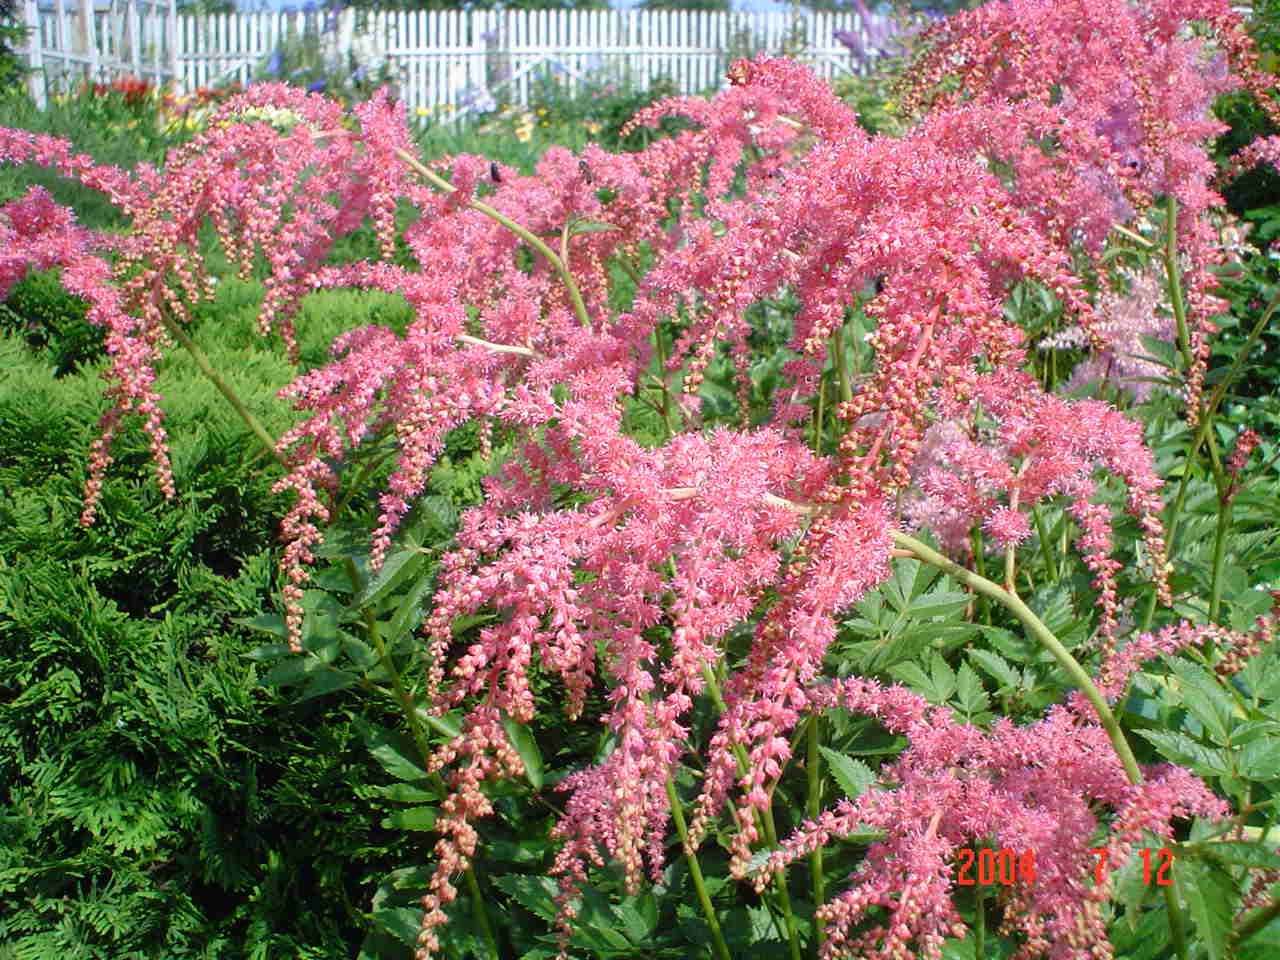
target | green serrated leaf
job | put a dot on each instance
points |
(398, 567)
(1203, 696)
(326, 681)
(1253, 730)
(1211, 898)
(970, 694)
(402, 923)
(527, 749)
(409, 613)
(394, 752)
(634, 923)
(1162, 352)
(289, 672)
(271, 623)
(1260, 760)
(1149, 940)
(913, 676)
(1130, 890)
(943, 679)
(360, 653)
(446, 726)
(853, 776)
(939, 603)
(271, 651)
(1052, 604)
(411, 818)
(995, 666)
(403, 793)
(344, 540)
(1241, 852)
(1015, 647)
(1181, 749)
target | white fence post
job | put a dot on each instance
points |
(30, 18)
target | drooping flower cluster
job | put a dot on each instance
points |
(1124, 90)
(37, 234)
(1037, 788)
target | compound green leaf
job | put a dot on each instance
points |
(853, 776)
(395, 753)
(1211, 897)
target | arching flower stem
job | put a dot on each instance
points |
(1174, 275)
(175, 330)
(695, 873)
(557, 264)
(1036, 627)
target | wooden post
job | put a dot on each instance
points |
(30, 15)
(85, 41)
(134, 37)
(171, 34)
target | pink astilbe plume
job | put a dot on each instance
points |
(603, 559)
(1131, 90)
(37, 234)
(1037, 788)
(1041, 447)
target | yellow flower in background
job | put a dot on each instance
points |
(593, 128)
(422, 112)
(524, 133)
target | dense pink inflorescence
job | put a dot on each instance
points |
(1124, 89)
(1041, 447)
(742, 534)
(37, 234)
(1032, 788)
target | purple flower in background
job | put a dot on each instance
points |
(317, 87)
(331, 16)
(851, 40)
(478, 99)
(276, 64)
(874, 36)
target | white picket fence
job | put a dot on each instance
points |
(443, 56)
(439, 57)
(74, 40)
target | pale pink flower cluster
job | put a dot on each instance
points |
(1124, 361)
